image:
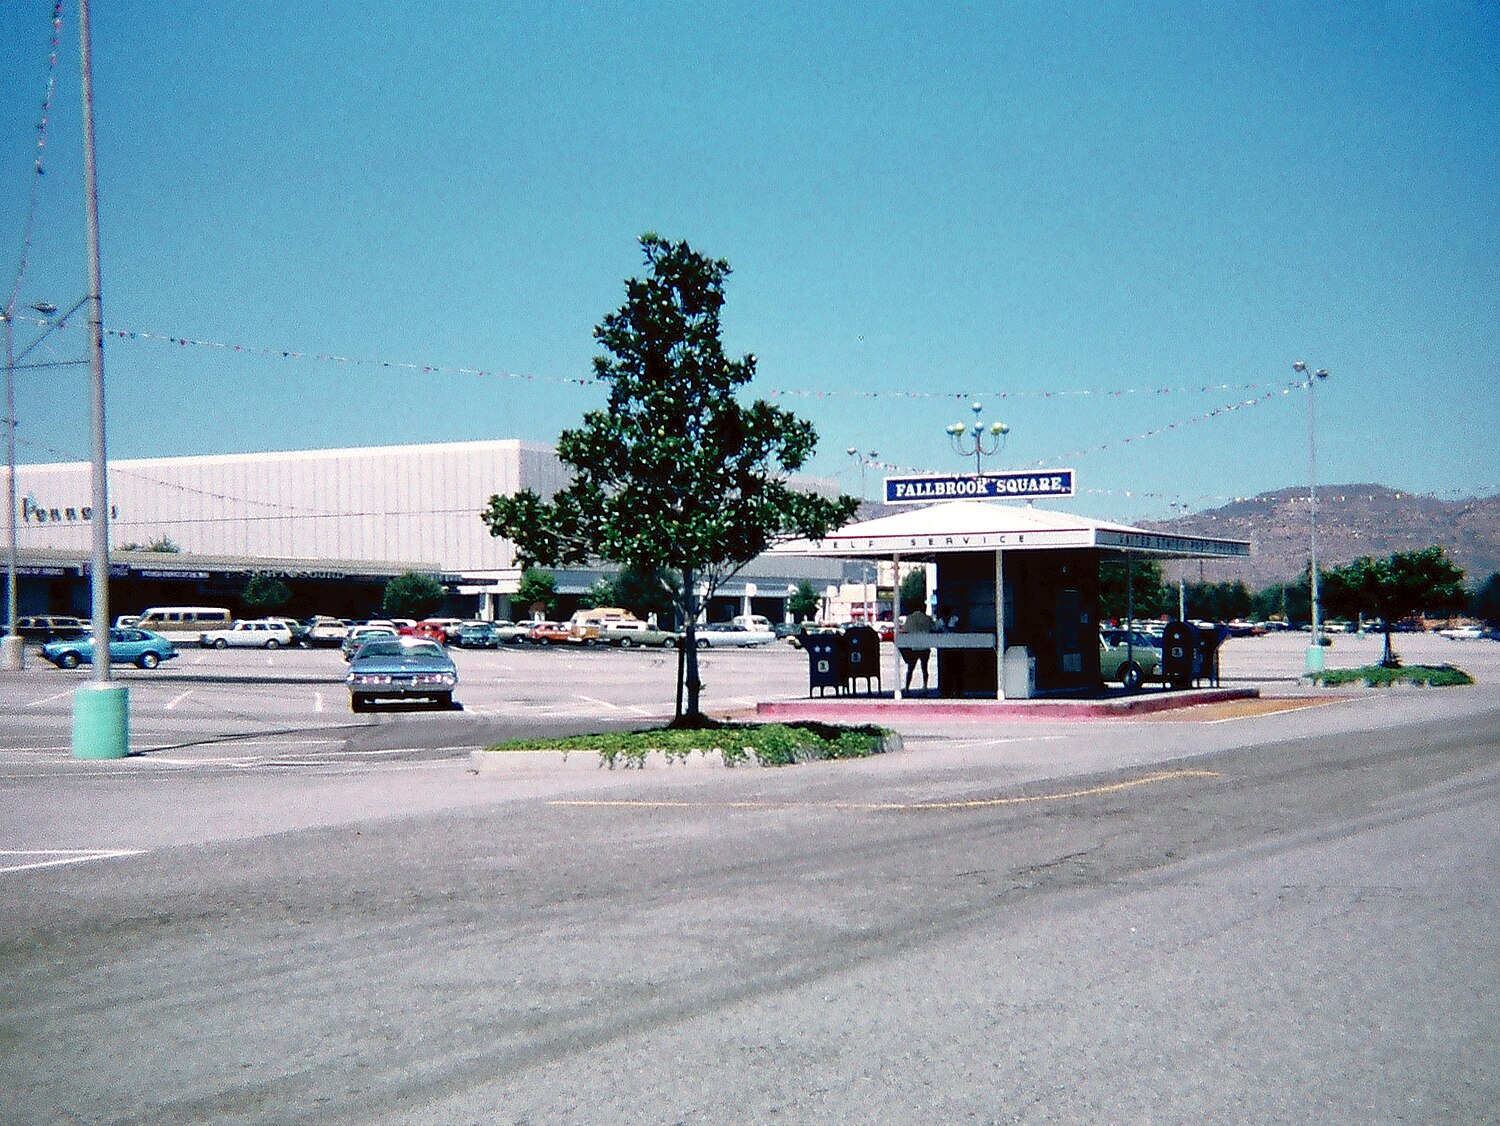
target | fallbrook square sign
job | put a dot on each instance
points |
(982, 486)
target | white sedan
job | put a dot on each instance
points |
(255, 633)
(724, 635)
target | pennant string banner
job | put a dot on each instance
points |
(773, 393)
(38, 168)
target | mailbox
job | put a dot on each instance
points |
(1180, 654)
(861, 657)
(825, 661)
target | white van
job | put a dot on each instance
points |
(184, 623)
(584, 625)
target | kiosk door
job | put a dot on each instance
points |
(1069, 633)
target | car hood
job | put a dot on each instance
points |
(404, 666)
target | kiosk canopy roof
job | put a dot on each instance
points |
(965, 525)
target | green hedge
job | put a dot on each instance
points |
(1431, 676)
(770, 744)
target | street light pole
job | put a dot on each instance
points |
(1315, 650)
(996, 432)
(873, 590)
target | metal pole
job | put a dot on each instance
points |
(100, 710)
(1314, 650)
(14, 658)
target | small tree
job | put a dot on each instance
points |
(645, 591)
(412, 595)
(536, 588)
(1147, 595)
(676, 473)
(264, 593)
(1392, 588)
(913, 594)
(804, 602)
(602, 593)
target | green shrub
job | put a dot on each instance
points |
(1376, 676)
(771, 744)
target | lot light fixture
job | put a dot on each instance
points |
(1315, 650)
(986, 440)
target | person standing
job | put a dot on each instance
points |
(917, 622)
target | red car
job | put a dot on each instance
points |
(432, 631)
(549, 633)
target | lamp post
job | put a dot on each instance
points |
(866, 460)
(1315, 650)
(976, 446)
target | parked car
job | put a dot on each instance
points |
(126, 647)
(1131, 665)
(299, 631)
(512, 633)
(400, 668)
(1113, 636)
(358, 635)
(725, 635)
(478, 635)
(628, 635)
(548, 633)
(248, 633)
(427, 630)
(324, 631)
(1462, 633)
(44, 627)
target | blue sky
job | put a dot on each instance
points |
(922, 205)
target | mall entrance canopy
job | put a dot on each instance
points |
(1040, 566)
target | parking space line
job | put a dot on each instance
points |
(175, 700)
(64, 856)
(601, 703)
(49, 699)
(317, 701)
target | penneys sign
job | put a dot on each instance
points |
(985, 486)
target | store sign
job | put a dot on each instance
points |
(983, 486)
(34, 513)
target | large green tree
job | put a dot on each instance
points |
(1147, 594)
(676, 472)
(536, 588)
(1392, 588)
(412, 595)
(265, 592)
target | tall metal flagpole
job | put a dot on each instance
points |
(100, 710)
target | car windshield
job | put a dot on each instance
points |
(425, 654)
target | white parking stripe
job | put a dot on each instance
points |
(65, 856)
(49, 699)
(317, 701)
(601, 703)
(175, 700)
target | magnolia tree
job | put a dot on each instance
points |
(676, 474)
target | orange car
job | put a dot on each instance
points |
(549, 633)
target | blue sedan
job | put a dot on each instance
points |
(126, 647)
(400, 668)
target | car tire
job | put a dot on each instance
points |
(220, 643)
(702, 644)
(624, 643)
(669, 643)
(273, 644)
(67, 660)
(358, 703)
(443, 699)
(1131, 676)
(148, 660)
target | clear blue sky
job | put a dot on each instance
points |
(956, 200)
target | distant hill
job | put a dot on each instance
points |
(1353, 520)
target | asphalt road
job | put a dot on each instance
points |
(1276, 918)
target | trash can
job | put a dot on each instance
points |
(825, 661)
(861, 657)
(1180, 654)
(1019, 671)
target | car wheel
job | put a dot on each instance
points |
(273, 644)
(625, 643)
(148, 660)
(669, 643)
(443, 699)
(220, 643)
(358, 704)
(67, 660)
(702, 643)
(1131, 676)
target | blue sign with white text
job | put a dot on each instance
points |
(985, 486)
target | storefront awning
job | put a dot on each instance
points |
(963, 526)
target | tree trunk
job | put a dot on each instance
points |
(691, 716)
(1388, 659)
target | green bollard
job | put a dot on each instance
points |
(1314, 658)
(101, 721)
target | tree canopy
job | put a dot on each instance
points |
(676, 473)
(1393, 588)
(412, 595)
(265, 592)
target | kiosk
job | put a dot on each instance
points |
(1011, 577)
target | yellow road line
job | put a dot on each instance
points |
(977, 803)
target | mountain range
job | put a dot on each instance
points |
(1353, 520)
